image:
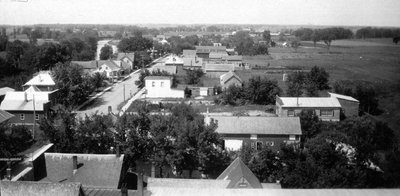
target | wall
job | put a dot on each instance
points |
(349, 108)
(283, 112)
(276, 139)
(232, 80)
(163, 91)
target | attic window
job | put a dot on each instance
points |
(290, 112)
(292, 137)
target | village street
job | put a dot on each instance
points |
(114, 97)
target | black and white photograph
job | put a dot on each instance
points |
(199, 97)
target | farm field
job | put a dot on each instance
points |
(374, 60)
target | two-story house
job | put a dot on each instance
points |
(161, 87)
(257, 132)
(43, 81)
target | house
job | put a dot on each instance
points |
(128, 58)
(23, 188)
(170, 69)
(326, 108)
(257, 132)
(173, 60)
(110, 69)
(89, 67)
(42, 80)
(192, 62)
(229, 79)
(204, 51)
(29, 106)
(217, 55)
(161, 87)
(350, 106)
(5, 116)
(237, 60)
(3, 92)
(189, 53)
(215, 70)
(92, 170)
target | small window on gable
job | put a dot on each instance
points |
(292, 137)
(290, 112)
(22, 116)
(153, 84)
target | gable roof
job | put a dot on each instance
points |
(43, 78)
(345, 97)
(130, 56)
(94, 170)
(4, 116)
(4, 90)
(86, 64)
(23, 188)
(189, 53)
(225, 77)
(219, 67)
(173, 60)
(110, 64)
(237, 171)
(312, 102)
(258, 125)
(157, 78)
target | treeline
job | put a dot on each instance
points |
(369, 32)
(327, 35)
(181, 141)
(21, 59)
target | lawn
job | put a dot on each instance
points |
(375, 60)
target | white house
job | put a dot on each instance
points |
(160, 87)
(110, 69)
(42, 80)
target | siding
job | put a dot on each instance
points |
(349, 108)
(278, 140)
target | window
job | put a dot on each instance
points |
(292, 137)
(326, 112)
(162, 84)
(269, 143)
(290, 112)
(259, 145)
(22, 116)
(36, 116)
(253, 145)
(153, 84)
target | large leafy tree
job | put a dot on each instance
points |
(106, 52)
(134, 44)
(262, 90)
(49, 54)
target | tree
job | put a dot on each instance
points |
(295, 44)
(266, 165)
(319, 77)
(327, 36)
(295, 84)
(267, 36)
(261, 90)
(49, 54)
(193, 76)
(106, 52)
(134, 44)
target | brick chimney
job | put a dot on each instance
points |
(74, 164)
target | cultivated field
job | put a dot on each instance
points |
(375, 60)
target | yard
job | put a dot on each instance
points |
(375, 60)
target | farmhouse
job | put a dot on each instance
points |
(42, 80)
(257, 132)
(230, 78)
(215, 70)
(326, 108)
(161, 87)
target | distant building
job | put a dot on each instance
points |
(22, 188)
(215, 70)
(257, 132)
(169, 69)
(128, 58)
(189, 53)
(89, 67)
(43, 81)
(173, 60)
(234, 59)
(161, 87)
(229, 79)
(326, 108)
(204, 51)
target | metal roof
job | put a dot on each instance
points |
(258, 125)
(345, 97)
(312, 102)
(43, 78)
(236, 171)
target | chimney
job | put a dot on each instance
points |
(9, 173)
(117, 151)
(97, 64)
(26, 96)
(74, 164)
(140, 184)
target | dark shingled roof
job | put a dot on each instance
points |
(24, 188)
(5, 116)
(258, 125)
(94, 170)
(238, 172)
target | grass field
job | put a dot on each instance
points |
(375, 60)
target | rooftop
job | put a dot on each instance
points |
(258, 125)
(4, 90)
(189, 53)
(225, 77)
(4, 116)
(312, 102)
(94, 170)
(233, 58)
(111, 64)
(43, 78)
(23, 188)
(219, 67)
(153, 183)
(130, 56)
(345, 97)
(173, 60)
(23, 101)
(208, 49)
(158, 78)
(238, 171)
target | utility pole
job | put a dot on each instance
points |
(34, 116)
(124, 92)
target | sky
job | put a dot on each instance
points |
(280, 12)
